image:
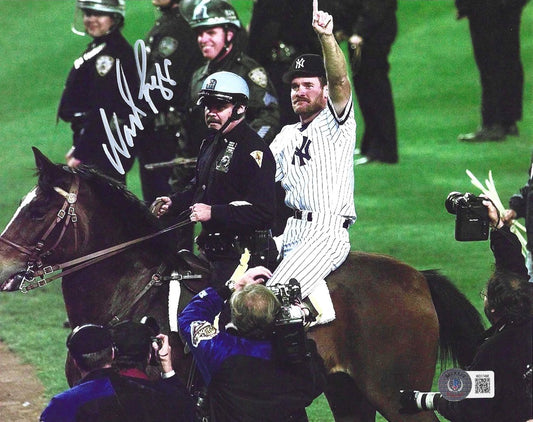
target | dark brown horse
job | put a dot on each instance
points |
(390, 322)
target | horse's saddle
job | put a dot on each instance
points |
(196, 263)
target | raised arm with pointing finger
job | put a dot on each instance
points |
(336, 68)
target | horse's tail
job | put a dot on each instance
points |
(460, 324)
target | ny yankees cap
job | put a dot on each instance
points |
(305, 65)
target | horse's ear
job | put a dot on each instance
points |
(47, 170)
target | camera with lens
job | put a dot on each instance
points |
(471, 216)
(288, 334)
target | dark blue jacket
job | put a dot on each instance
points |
(235, 175)
(105, 396)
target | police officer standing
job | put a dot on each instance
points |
(92, 86)
(495, 33)
(370, 26)
(220, 39)
(170, 45)
(233, 191)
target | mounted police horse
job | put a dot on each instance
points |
(391, 318)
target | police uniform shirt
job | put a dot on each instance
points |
(235, 175)
(286, 22)
(92, 85)
(172, 38)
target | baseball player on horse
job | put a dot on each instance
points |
(314, 162)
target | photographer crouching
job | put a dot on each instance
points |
(506, 347)
(247, 378)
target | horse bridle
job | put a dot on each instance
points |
(66, 215)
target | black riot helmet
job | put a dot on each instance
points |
(210, 13)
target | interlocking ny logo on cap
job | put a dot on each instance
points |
(299, 63)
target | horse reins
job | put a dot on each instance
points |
(35, 266)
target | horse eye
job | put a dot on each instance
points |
(37, 213)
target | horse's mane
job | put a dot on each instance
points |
(140, 221)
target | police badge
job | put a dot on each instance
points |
(223, 164)
(259, 76)
(104, 64)
(167, 46)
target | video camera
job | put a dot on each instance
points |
(472, 217)
(288, 334)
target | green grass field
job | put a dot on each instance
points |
(401, 207)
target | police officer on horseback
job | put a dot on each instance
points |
(232, 194)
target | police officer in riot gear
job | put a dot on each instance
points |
(170, 45)
(220, 38)
(233, 189)
(92, 86)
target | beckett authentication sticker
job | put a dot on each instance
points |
(455, 384)
(482, 384)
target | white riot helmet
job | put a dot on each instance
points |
(114, 8)
(224, 86)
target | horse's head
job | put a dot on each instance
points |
(68, 214)
(44, 224)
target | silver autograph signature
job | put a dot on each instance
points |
(126, 134)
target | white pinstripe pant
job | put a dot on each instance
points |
(311, 250)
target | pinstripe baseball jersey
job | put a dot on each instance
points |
(314, 163)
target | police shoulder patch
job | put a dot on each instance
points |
(202, 330)
(258, 157)
(167, 46)
(104, 64)
(259, 76)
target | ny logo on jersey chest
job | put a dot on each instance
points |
(302, 152)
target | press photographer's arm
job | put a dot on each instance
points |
(506, 349)
(504, 244)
